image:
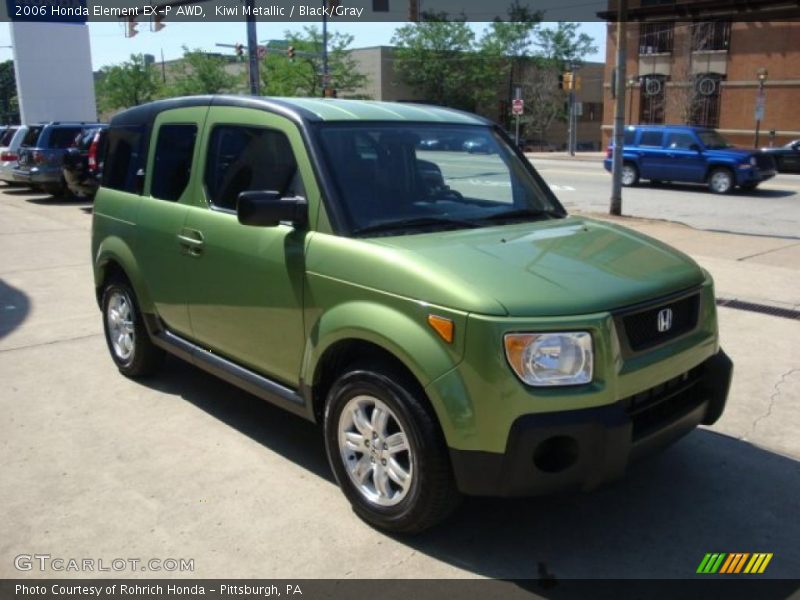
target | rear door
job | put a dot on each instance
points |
(246, 283)
(651, 154)
(164, 249)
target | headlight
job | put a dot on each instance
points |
(551, 359)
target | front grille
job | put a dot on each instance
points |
(765, 162)
(642, 328)
(653, 408)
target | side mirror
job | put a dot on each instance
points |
(268, 209)
(695, 147)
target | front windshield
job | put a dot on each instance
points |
(400, 179)
(713, 140)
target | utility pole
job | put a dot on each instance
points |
(619, 109)
(252, 49)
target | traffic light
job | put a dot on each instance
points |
(290, 52)
(158, 23)
(132, 27)
(239, 50)
(576, 83)
(568, 81)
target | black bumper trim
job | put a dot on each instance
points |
(588, 446)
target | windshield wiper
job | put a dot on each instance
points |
(521, 213)
(414, 222)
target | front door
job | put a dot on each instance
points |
(246, 283)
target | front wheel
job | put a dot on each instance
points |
(387, 452)
(128, 341)
(720, 181)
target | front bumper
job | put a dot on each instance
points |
(753, 175)
(580, 449)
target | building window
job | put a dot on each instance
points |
(653, 99)
(711, 35)
(655, 37)
(707, 95)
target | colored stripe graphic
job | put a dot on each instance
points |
(734, 563)
(711, 562)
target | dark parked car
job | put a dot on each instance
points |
(691, 155)
(787, 158)
(41, 155)
(83, 162)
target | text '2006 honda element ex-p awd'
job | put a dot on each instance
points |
(437, 311)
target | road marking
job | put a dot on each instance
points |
(561, 188)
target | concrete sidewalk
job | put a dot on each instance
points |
(758, 269)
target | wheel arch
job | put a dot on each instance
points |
(115, 259)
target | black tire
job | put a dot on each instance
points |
(432, 493)
(630, 174)
(716, 176)
(145, 357)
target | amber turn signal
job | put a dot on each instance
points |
(444, 327)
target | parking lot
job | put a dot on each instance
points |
(186, 466)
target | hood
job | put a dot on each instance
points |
(739, 153)
(549, 268)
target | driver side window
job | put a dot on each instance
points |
(242, 158)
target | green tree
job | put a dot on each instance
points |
(128, 84)
(302, 75)
(564, 45)
(9, 109)
(438, 58)
(202, 73)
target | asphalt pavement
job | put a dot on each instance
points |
(94, 465)
(772, 209)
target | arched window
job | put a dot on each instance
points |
(653, 96)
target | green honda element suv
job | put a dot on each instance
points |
(452, 329)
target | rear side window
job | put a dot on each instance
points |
(32, 137)
(173, 161)
(63, 137)
(651, 138)
(680, 141)
(5, 140)
(124, 159)
(244, 158)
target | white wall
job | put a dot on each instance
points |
(53, 64)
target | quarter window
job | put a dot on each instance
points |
(125, 159)
(173, 161)
(242, 158)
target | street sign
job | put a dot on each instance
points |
(517, 106)
(760, 107)
(578, 109)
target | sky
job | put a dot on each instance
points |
(109, 46)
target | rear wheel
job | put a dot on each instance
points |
(630, 174)
(720, 181)
(387, 452)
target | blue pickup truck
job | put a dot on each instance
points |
(689, 154)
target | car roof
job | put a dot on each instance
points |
(673, 126)
(306, 110)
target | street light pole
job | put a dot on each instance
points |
(325, 74)
(615, 207)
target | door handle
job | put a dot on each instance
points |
(191, 241)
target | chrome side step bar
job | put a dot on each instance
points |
(248, 380)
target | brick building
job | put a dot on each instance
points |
(708, 72)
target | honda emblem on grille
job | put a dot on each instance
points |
(664, 320)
